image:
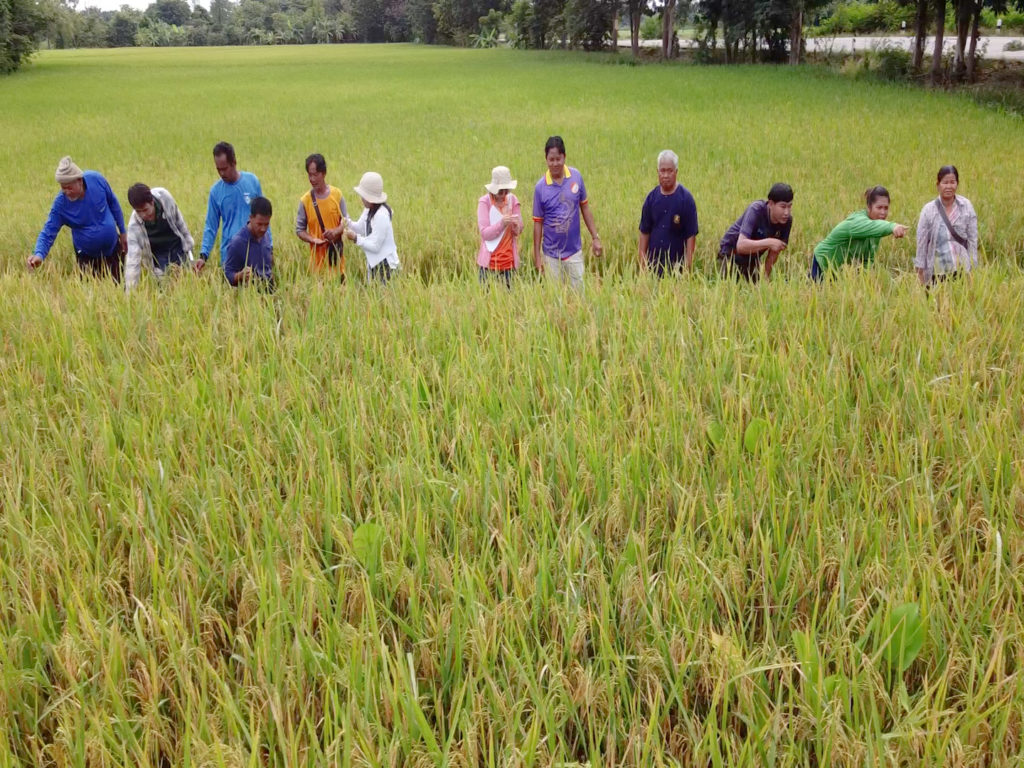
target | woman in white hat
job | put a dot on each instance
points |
(373, 231)
(500, 221)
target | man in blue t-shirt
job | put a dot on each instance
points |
(762, 230)
(227, 208)
(668, 221)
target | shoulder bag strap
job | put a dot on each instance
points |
(945, 220)
(333, 249)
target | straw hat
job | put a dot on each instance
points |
(501, 178)
(371, 188)
(67, 171)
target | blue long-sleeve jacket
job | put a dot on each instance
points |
(227, 208)
(94, 220)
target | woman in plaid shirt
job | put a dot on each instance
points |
(947, 232)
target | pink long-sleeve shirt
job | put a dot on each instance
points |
(490, 231)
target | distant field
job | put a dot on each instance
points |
(679, 523)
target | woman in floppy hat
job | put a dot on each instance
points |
(500, 221)
(373, 231)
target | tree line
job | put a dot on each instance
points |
(725, 30)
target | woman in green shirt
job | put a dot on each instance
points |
(856, 237)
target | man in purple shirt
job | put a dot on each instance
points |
(559, 199)
(89, 208)
(762, 230)
(668, 221)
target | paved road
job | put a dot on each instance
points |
(990, 47)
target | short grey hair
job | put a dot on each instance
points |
(670, 156)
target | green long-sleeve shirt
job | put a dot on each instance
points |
(855, 238)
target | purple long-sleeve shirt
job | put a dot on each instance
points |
(94, 220)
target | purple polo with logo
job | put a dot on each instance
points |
(557, 206)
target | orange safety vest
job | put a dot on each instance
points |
(330, 211)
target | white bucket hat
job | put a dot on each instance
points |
(501, 178)
(371, 188)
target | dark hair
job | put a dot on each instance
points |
(260, 206)
(555, 142)
(946, 170)
(225, 149)
(372, 211)
(780, 193)
(139, 194)
(873, 193)
(321, 164)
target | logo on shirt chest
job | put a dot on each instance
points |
(676, 220)
(575, 188)
(247, 197)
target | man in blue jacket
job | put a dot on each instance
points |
(227, 208)
(89, 208)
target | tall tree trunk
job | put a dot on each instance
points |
(668, 28)
(615, 30)
(940, 31)
(963, 12)
(634, 31)
(971, 60)
(920, 33)
(796, 34)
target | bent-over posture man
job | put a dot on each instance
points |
(88, 207)
(158, 237)
(762, 230)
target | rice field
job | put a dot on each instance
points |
(669, 523)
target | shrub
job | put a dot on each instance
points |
(650, 27)
(889, 62)
(862, 18)
(1013, 21)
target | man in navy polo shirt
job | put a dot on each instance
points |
(668, 221)
(249, 257)
(559, 199)
(762, 230)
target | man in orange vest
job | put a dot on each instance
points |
(320, 220)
